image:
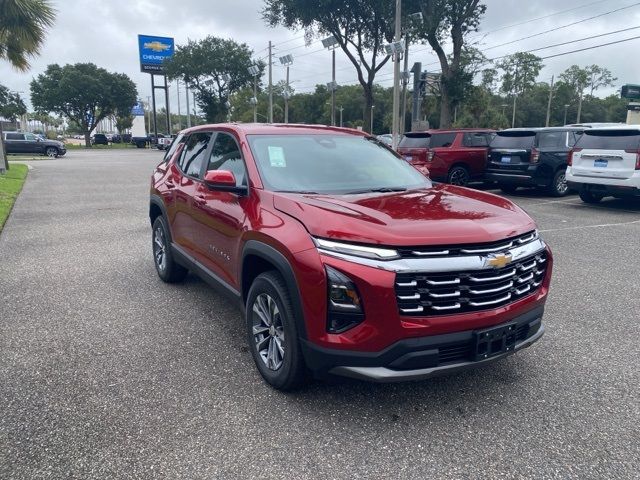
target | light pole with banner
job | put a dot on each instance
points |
(331, 43)
(153, 52)
(286, 61)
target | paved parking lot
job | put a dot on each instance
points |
(106, 372)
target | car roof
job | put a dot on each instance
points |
(536, 130)
(277, 129)
(621, 127)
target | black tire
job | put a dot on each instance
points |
(459, 175)
(589, 197)
(285, 370)
(168, 269)
(508, 188)
(558, 186)
(51, 152)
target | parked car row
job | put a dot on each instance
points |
(533, 157)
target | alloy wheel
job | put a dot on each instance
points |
(159, 249)
(268, 331)
(561, 184)
(459, 176)
(52, 152)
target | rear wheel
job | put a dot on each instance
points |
(168, 269)
(559, 187)
(589, 197)
(51, 152)
(272, 333)
(507, 188)
(459, 175)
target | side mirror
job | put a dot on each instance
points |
(223, 181)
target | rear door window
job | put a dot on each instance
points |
(194, 154)
(476, 139)
(415, 140)
(614, 140)
(173, 147)
(15, 136)
(442, 140)
(552, 140)
(520, 140)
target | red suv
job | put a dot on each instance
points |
(453, 156)
(344, 258)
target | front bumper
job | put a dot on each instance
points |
(418, 358)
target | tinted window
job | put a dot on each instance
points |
(173, 147)
(476, 139)
(614, 140)
(415, 140)
(552, 140)
(330, 163)
(30, 137)
(442, 140)
(574, 137)
(225, 155)
(522, 140)
(193, 155)
(15, 136)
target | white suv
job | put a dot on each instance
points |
(606, 162)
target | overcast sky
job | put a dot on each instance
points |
(106, 33)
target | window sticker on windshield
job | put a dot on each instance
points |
(276, 157)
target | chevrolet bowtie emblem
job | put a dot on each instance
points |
(157, 46)
(499, 260)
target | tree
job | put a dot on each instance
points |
(11, 104)
(215, 68)
(124, 121)
(84, 93)
(453, 19)
(599, 77)
(520, 71)
(359, 27)
(22, 28)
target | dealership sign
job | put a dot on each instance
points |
(153, 52)
(138, 109)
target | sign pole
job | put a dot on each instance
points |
(153, 100)
(166, 99)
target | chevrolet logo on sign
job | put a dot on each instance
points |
(499, 260)
(157, 46)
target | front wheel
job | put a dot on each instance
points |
(559, 187)
(272, 333)
(589, 197)
(51, 152)
(459, 175)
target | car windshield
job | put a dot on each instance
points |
(415, 140)
(610, 140)
(513, 140)
(331, 164)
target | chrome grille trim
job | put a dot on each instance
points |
(500, 248)
(491, 290)
(491, 302)
(426, 254)
(493, 279)
(444, 295)
(448, 307)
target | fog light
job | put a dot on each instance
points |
(344, 304)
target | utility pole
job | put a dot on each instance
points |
(565, 114)
(372, 107)
(513, 116)
(286, 99)
(333, 87)
(341, 110)
(417, 73)
(405, 84)
(195, 109)
(186, 91)
(579, 108)
(179, 114)
(396, 77)
(255, 98)
(270, 83)
(549, 102)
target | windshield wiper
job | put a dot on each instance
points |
(379, 190)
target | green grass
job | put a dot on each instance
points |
(27, 158)
(10, 186)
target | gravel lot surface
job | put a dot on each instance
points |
(106, 372)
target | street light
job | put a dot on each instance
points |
(286, 61)
(565, 114)
(255, 71)
(331, 43)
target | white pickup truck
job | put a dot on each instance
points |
(164, 142)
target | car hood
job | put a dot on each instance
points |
(443, 214)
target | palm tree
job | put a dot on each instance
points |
(22, 29)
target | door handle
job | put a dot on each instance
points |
(200, 199)
(169, 183)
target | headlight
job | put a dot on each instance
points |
(344, 306)
(356, 250)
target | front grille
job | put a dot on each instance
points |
(473, 249)
(429, 294)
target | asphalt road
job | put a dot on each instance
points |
(106, 372)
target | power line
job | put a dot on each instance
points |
(591, 48)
